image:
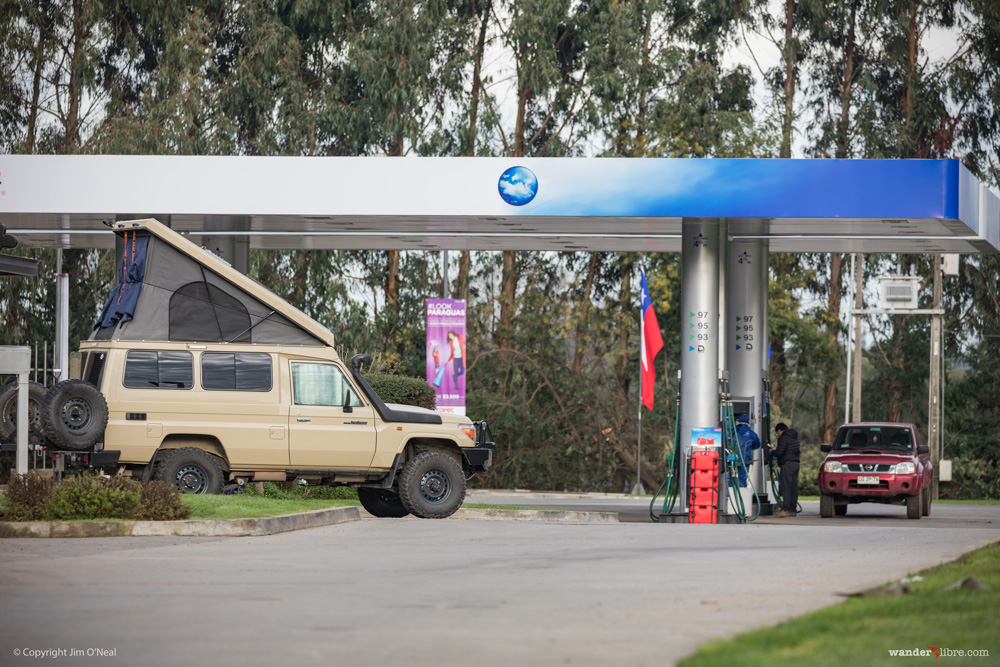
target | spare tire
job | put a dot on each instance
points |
(8, 412)
(74, 414)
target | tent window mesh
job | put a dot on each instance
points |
(203, 312)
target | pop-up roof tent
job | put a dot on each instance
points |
(169, 289)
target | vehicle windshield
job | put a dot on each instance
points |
(882, 438)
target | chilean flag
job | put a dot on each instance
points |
(650, 345)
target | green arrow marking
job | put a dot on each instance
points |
(737, 327)
(737, 318)
(690, 314)
(692, 325)
(692, 336)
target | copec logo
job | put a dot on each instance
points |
(518, 186)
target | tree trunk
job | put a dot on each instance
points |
(911, 67)
(790, 49)
(581, 325)
(476, 77)
(508, 296)
(72, 139)
(523, 95)
(392, 277)
(835, 292)
(846, 91)
(627, 322)
(36, 84)
(464, 266)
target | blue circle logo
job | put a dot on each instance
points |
(518, 186)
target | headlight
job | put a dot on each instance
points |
(905, 468)
(469, 430)
(833, 466)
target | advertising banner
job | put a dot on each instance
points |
(446, 357)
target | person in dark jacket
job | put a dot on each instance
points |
(748, 443)
(787, 454)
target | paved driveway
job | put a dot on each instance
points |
(413, 592)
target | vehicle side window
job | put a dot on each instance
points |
(321, 384)
(241, 371)
(148, 369)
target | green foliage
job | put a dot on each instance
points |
(293, 491)
(27, 497)
(84, 497)
(401, 389)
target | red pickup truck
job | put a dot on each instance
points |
(876, 462)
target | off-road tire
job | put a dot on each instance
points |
(913, 504)
(925, 506)
(432, 485)
(8, 412)
(840, 510)
(74, 414)
(191, 470)
(382, 503)
(826, 506)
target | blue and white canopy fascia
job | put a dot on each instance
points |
(907, 206)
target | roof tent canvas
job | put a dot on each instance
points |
(171, 290)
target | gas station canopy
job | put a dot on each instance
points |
(903, 206)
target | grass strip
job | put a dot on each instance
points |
(862, 630)
(249, 506)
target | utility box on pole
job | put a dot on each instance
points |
(898, 292)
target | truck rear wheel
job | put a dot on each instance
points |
(382, 503)
(925, 508)
(74, 414)
(913, 507)
(191, 470)
(825, 506)
(840, 510)
(8, 412)
(432, 485)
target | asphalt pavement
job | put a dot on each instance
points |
(423, 592)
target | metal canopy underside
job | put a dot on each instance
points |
(917, 206)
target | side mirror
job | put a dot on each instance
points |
(826, 449)
(923, 449)
(347, 401)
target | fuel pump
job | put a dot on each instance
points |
(734, 455)
(709, 470)
(673, 466)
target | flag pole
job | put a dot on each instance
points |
(638, 489)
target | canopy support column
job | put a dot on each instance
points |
(744, 336)
(700, 269)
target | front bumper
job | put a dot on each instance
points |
(480, 457)
(889, 485)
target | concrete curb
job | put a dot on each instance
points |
(547, 516)
(205, 528)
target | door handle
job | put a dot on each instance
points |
(303, 419)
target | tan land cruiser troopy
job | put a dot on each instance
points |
(198, 376)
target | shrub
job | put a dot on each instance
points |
(27, 497)
(86, 497)
(32, 497)
(161, 502)
(402, 389)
